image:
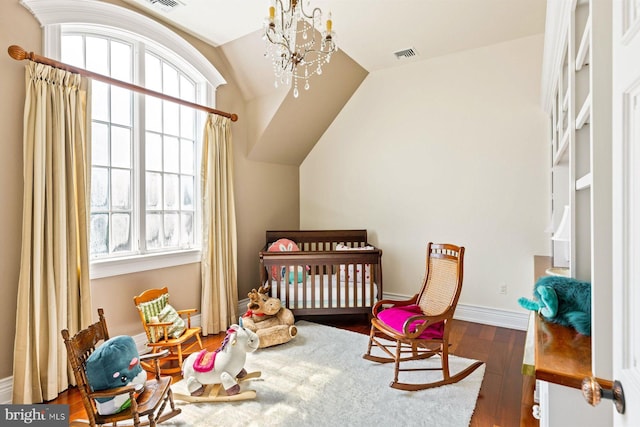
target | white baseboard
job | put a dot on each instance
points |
(6, 390)
(494, 317)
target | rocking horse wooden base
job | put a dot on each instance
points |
(215, 392)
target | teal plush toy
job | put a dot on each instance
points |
(562, 300)
(115, 363)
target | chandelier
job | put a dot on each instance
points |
(296, 42)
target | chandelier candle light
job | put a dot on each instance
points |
(292, 41)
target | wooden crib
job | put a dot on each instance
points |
(333, 272)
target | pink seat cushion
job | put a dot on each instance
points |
(395, 317)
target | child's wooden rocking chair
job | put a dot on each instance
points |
(155, 403)
(166, 329)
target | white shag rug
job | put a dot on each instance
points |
(320, 379)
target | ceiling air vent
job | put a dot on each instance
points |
(165, 5)
(406, 53)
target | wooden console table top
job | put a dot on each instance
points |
(562, 355)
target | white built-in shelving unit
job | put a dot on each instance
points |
(570, 94)
(577, 96)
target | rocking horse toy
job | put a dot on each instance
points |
(215, 376)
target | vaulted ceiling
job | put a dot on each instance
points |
(283, 129)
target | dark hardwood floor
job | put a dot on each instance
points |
(499, 401)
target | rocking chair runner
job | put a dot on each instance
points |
(418, 328)
(151, 403)
(160, 335)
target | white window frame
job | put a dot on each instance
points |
(52, 14)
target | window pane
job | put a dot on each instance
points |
(152, 73)
(121, 105)
(171, 230)
(99, 240)
(153, 151)
(154, 231)
(187, 89)
(121, 232)
(170, 84)
(186, 224)
(186, 156)
(187, 121)
(99, 189)
(97, 55)
(171, 192)
(154, 190)
(120, 147)
(153, 113)
(121, 189)
(171, 118)
(99, 144)
(187, 192)
(171, 154)
(121, 68)
(99, 101)
(73, 50)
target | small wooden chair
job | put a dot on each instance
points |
(150, 304)
(418, 328)
(151, 403)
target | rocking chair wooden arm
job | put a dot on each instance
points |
(112, 392)
(426, 321)
(155, 358)
(378, 306)
(159, 324)
(188, 312)
(165, 329)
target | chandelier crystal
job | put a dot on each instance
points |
(296, 42)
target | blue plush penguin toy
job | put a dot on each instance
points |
(562, 300)
(115, 363)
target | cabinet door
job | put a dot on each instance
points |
(626, 206)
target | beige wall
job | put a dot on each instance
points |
(266, 196)
(452, 149)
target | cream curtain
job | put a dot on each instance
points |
(53, 289)
(219, 246)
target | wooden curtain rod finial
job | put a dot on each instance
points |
(234, 117)
(18, 53)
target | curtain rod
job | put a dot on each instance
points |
(18, 53)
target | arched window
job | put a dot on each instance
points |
(145, 156)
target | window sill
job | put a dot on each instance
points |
(138, 263)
